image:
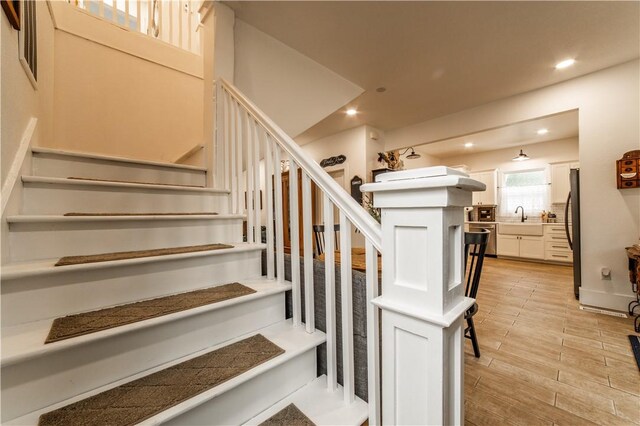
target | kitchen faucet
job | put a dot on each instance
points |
(523, 217)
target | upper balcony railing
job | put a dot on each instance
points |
(176, 22)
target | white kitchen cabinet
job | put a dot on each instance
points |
(532, 247)
(490, 195)
(556, 246)
(508, 245)
(560, 186)
(520, 246)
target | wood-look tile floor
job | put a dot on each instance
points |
(544, 361)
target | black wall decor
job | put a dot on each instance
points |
(332, 161)
(355, 189)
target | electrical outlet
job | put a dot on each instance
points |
(605, 274)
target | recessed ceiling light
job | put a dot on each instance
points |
(543, 131)
(564, 64)
(468, 144)
(381, 89)
(352, 111)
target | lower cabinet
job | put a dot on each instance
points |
(520, 246)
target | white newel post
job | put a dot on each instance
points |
(422, 302)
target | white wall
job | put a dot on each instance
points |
(20, 100)
(224, 61)
(608, 102)
(293, 90)
(115, 103)
(20, 103)
(541, 154)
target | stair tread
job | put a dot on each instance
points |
(121, 217)
(25, 341)
(133, 181)
(319, 405)
(46, 266)
(294, 340)
(147, 396)
(103, 157)
(122, 185)
(79, 324)
(136, 254)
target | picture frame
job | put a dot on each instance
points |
(12, 10)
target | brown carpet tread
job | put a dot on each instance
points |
(143, 398)
(141, 214)
(288, 416)
(122, 255)
(103, 319)
(134, 181)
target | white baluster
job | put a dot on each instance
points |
(114, 11)
(101, 8)
(268, 175)
(149, 29)
(330, 293)
(226, 142)
(219, 151)
(180, 16)
(307, 238)
(138, 15)
(295, 241)
(257, 230)
(277, 166)
(239, 143)
(126, 13)
(189, 30)
(373, 334)
(250, 181)
(347, 309)
(171, 23)
(230, 135)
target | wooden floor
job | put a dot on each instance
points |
(543, 360)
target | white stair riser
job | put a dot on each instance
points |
(54, 165)
(31, 241)
(40, 198)
(40, 382)
(248, 399)
(67, 292)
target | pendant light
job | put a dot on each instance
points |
(520, 157)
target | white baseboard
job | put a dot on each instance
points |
(616, 302)
(18, 161)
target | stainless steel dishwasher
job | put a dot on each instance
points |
(491, 227)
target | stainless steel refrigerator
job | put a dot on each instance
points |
(573, 231)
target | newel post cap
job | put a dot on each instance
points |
(429, 186)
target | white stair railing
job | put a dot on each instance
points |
(422, 305)
(173, 21)
(244, 136)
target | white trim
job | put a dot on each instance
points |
(193, 151)
(77, 22)
(18, 160)
(103, 157)
(600, 299)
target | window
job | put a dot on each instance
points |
(528, 189)
(27, 41)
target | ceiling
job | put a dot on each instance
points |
(559, 126)
(436, 58)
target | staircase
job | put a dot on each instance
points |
(77, 204)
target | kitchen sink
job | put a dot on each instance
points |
(520, 228)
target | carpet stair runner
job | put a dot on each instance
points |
(288, 416)
(102, 319)
(123, 255)
(143, 398)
